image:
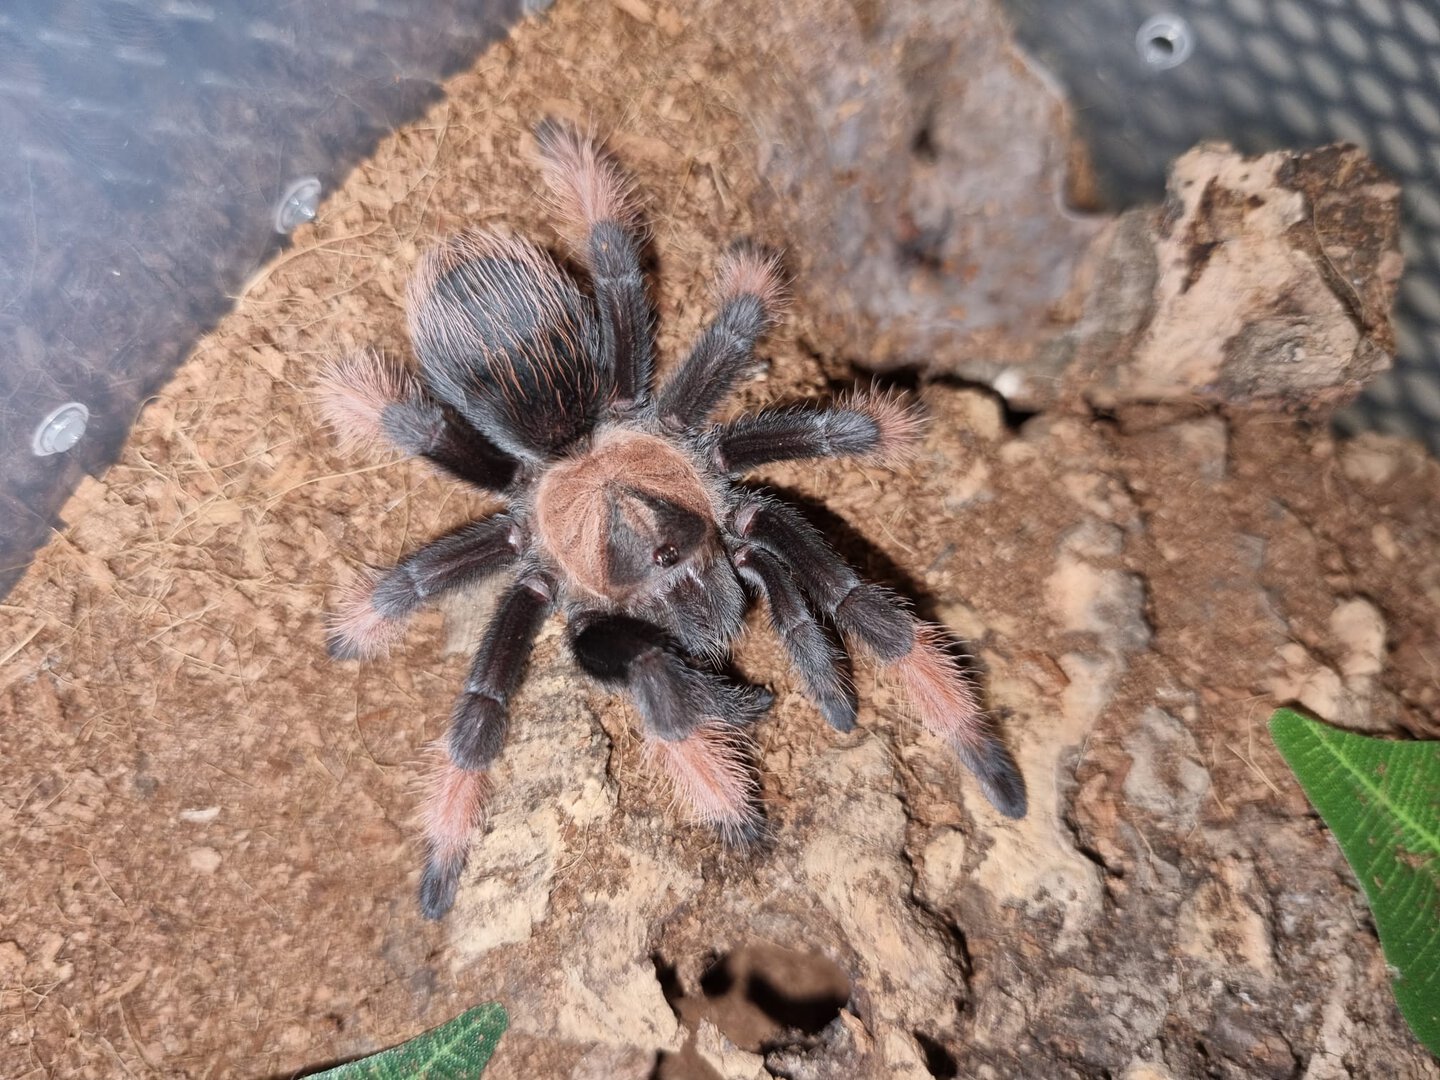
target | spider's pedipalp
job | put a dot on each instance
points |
(478, 722)
(879, 427)
(909, 650)
(594, 198)
(710, 772)
(375, 604)
(751, 294)
(818, 662)
(450, 812)
(672, 697)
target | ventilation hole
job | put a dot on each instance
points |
(939, 1062)
(1164, 41)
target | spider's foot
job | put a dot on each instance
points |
(839, 713)
(998, 774)
(439, 882)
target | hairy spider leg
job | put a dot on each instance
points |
(820, 664)
(595, 200)
(751, 296)
(372, 614)
(709, 771)
(506, 338)
(913, 652)
(477, 725)
(880, 427)
(366, 399)
(692, 719)
(477, 732)
(672, 697)
(453, 805)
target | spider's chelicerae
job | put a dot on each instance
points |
(624, 510)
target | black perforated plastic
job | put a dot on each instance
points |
(1264, 74)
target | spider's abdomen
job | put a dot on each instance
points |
(625, 514)
(506, 338)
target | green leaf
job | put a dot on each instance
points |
(1381, 799)
(459, 1050)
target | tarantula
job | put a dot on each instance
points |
(624, 510)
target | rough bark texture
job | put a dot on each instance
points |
(1262, 281)
(932, 161)
(930, 157)
(209, 865)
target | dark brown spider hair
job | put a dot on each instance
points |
(625, 510)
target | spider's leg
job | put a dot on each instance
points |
(819, 663)
(881, 427)
(672, 696)
(477, 726)
(366, 399)
(594, 198)
(477, 731)
(373, 613)
(692, 719)
(751, 295)
(913, 652)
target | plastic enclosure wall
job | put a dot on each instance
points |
(145, 147)
(1147, 80)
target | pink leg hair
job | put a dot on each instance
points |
(452, 808)
(751, 272)
(900, 420)
(450, 813)
(941, 694)
(586, 187)
(357, 630)
(352, 392)
(709, 774)
(945, 700)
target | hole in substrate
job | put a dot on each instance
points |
(669, 980)
(759, 992)
(686, 1065)
(922, 143)
(717, 980)
(808, 1013)
(939, 1062)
